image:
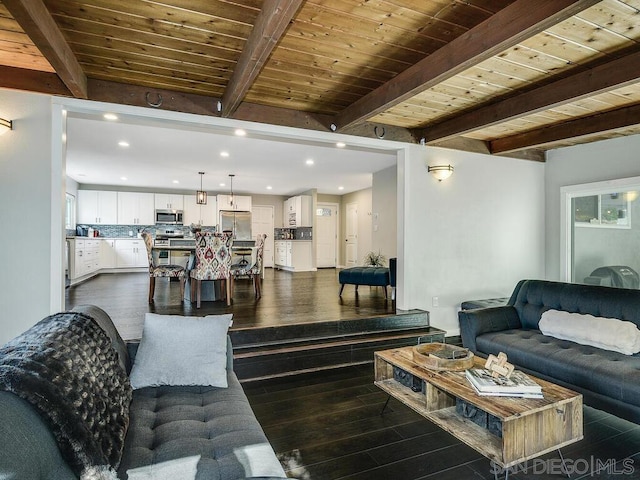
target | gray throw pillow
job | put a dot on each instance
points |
(177, 350)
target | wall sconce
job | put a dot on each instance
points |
(440, 172)
(201, 195)
(5, 125)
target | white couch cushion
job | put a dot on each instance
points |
(176, 350)
(607, 333)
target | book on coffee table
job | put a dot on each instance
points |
(518, 383)
(507, 394)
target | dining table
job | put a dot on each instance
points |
(211, 290)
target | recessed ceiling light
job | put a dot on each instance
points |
(240, 132)
(309, 162)
(176, 181)
(224, 154)
(340, 188)
(123, 178)
(122, 143)
(222, 185)
(110, 116)
(269, 187)
(341, 144)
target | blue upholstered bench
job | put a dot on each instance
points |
(372, 276)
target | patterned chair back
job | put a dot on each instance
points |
(257, 268)
(148, 242)
(213, 256)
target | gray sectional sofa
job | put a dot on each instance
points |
(162, 424)
(608, 380)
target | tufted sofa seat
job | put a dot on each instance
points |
(165, 423)
(608, 380)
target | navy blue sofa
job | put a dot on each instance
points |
(608, 380)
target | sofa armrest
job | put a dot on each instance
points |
(483, 320)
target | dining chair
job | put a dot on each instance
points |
(155, 271)
(254, 271)
(213, 262)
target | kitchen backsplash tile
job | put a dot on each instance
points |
(122, 231)
(300, 233)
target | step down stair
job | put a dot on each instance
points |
(276, 351)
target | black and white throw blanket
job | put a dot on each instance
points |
(66, 368)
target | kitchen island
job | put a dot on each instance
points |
(294, 255)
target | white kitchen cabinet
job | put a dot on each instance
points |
(108, 253)
(131, 253)
(297, 212)
(85, 257)
(199, 214)
(240, 202)
(280, 256)
(96, 207)
(293, 255)
(169, 201)
(135, 208)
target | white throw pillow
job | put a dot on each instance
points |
(184, 468)
(177, 350)
(606, 333)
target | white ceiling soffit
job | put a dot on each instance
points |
(168, 155)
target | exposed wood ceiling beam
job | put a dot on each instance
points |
(127, 94)
(581, 127)
(514, 23)
(272, 22)
(602, 78)
(467, 144)
(32, 81)
(36, 21)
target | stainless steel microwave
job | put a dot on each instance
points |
(169, 217)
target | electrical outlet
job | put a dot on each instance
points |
(434, 301)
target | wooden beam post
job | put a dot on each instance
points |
(272, 22)
(38, 24)
(509, 26)
(580, 127)
(602, 78)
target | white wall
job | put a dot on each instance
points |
(26, 196)
(472, 236)
(385, 212)
(592, 162)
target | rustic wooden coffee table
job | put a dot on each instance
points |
(529, 427)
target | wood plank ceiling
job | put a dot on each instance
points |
(512, 77)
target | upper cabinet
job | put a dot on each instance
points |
(169, 201)
(135, 208)
(204, 215)
(240, 202)
(97, 207)
(297, 212)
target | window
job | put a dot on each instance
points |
(70, 212)
(599, 240)
(608, 210)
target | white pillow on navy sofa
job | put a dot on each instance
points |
(606, 333)
(177, 350)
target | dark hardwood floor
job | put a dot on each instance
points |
(287, 298)
(327, 425)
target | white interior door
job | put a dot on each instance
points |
(351, 251)
(262, 222)
(326, 235)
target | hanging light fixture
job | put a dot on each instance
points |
(201, 195)
(231, 175)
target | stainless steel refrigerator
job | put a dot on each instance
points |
(237, 222)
